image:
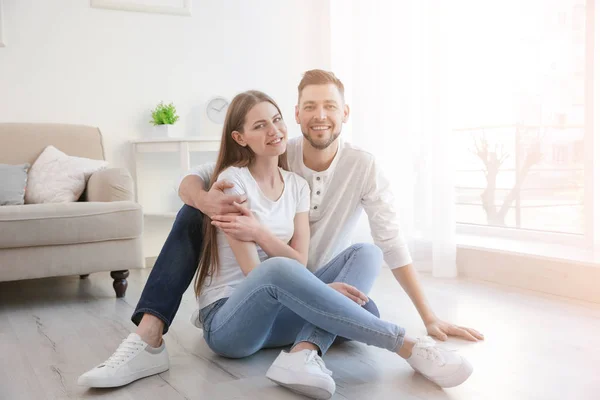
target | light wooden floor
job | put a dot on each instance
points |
(537, 347)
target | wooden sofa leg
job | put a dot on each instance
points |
(120, 283)
(83, 276)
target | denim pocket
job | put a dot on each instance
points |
(208, 312)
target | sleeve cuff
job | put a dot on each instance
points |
(397, 256)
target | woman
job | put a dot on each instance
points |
(252, 298)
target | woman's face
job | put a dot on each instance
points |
(264, 131)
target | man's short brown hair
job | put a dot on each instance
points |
(320, 77)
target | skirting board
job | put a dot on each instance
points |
(556, 277)
(150, 261)
(137, 6)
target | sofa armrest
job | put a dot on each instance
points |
(113, 184)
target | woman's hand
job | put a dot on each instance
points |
(350, 292)
(242, 226)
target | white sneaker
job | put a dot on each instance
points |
(303, 372)
(443, 367)
(134, 359)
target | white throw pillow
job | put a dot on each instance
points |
(58, 178)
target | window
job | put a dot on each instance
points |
(519, 76)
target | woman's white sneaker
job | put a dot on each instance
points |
(133, 360)
(443, 367)
(303, 372)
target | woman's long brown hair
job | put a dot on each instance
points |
(230, 154)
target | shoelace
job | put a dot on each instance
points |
(314, 358)
(429, 350)
(123, 353)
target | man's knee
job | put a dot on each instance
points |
(368, 250)
(371, 256)
(188, 218)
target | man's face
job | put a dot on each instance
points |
(321, 113)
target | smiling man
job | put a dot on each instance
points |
(344, 180)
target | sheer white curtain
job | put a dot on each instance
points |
(391, 55)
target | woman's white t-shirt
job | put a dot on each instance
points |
(277, 216)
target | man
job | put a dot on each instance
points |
(343, 179)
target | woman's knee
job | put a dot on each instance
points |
(276, 268)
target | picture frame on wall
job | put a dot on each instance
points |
(2, 39)
(172, 7)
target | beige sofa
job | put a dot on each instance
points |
(101, 232)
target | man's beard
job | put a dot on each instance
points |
(322, 146)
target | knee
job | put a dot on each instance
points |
(274, 269)
(370, 256)
(188, 219)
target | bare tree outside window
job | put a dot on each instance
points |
(519, 112)
(492, 158)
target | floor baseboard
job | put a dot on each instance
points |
(557, 277)
(150, 261)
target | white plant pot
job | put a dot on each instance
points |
(164, 131)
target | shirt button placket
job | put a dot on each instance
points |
(318, 192)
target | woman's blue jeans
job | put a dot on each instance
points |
(281, 303)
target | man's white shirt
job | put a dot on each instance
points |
(353, 182)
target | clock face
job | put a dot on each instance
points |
(216, 109)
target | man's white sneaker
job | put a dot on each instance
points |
(303, 372)
(133, 360)
(444, 367)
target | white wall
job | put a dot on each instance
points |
(67, 62)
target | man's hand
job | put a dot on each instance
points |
(242, 226)
(216, 202)
(350, 292)
(441, 330)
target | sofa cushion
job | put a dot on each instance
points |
(68, 223)
(58, 178)
(24, 142)
(14, 181)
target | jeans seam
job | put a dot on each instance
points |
(345, 269)
(330, 264)
(348, 258)
(240, 304)
(400, 339)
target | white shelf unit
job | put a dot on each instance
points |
(183, 147)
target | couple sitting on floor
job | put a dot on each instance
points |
(268, 245)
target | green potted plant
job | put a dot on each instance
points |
(164, 117)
